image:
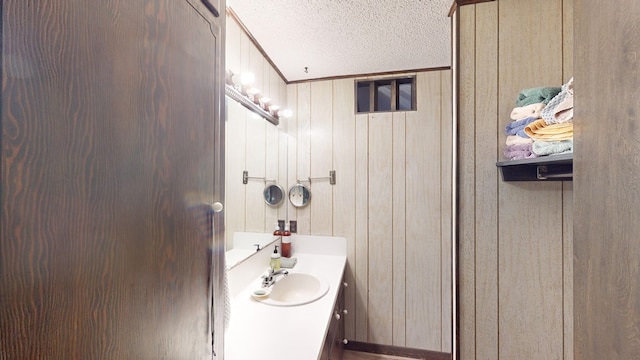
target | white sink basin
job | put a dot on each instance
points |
(295, 289)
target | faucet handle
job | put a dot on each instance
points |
(269, 274)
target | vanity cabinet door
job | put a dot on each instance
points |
(332, 349)
(109, 116)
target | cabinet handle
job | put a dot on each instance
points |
(345, 284)
(345, 311)
(211, 8)
(337, 316)
(345, 341)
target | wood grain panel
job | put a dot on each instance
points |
(272, 167)
(303, 152)
(271, 144)
(567, 191)
(606, 227)
(489, 144)
(283, 141)
(567, 40)
(290, 125)
(380, 229)
(399, 228)
(446, 151)
(378, 147)
(466, 181)
(255, 161)
(108, 115)
(423, 217)
(344, 159)
(530, 256)
(261, 146)
(235, 163)
(567, 268)
(321, 144)
(362, 234)
(256, 67)
(233, 36)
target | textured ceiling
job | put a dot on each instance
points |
(348, 37)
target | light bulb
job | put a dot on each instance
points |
(285, 113)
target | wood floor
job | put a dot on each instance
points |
(355, 355)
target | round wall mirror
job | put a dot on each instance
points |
(299, 195)
(273, 195)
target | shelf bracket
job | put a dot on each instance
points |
(331, 178)
(246, 177)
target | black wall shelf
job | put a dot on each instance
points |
(544, 168)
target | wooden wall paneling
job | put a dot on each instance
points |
(455, 341)
(245, 53)
(423, 217)
(567, 40)
(466, 182)
(530, 238)
(606, 226)
(567, 192)
(235, 163)
(271, 83)
(488, 148)
(446, 149)
(234, 159)
(303, 152)
(362, 221)
(271, 142)
(272, 161)
(255, 150)
(380, 229)
(283, 140)
(256, 66)
(567, 268)
(256, 166)
(232, 46)
(321, 147)
(344, 160)
(291, 127)
(399, 239)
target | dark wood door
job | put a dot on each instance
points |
(110, 116)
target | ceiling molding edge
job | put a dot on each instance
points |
(470, 2)
(378, 74)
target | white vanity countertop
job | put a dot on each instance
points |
(265, 332)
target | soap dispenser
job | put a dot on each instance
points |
(286, 242)
(277, 231)
(275, 259)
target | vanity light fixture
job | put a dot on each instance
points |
(239, 87)
(254, 95)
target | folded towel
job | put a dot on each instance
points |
(523, 112)
(539, 130)
(517, 127)
(541, 147)
(519, 151)
(564, 111)
(548, 113)
(288, 263)
(515, 139)
(537, 95)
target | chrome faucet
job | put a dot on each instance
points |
(270, 278)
